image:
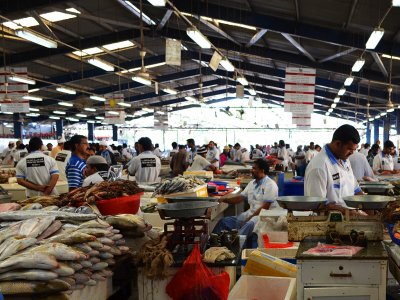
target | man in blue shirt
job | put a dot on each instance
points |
(76, 166)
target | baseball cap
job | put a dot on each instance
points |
(226, 148)
(103, 143)
(96, 160)
(201, 150)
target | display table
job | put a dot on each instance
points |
(17, 191)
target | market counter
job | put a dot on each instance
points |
(18, 192)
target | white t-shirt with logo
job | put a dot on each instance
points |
(95, 178)
(62, 159)
(145, 167)
(383, 162)
(213, 154)
(199, 164)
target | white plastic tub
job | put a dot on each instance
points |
(263, 287)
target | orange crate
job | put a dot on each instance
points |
(122, 205)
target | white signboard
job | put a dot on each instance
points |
(173, 52)
(299, 108)
(11, 92)
(114, 113)
(301, 119)
(215, 60)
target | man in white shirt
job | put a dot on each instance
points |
(283, 154)
(310, 152)
(97, 170)
(383, 162)
(361, 168)
(242, 154)
(200, 163)
(329, 173)
(191, 153)
(126, 155)
(7, 155)
(20, 153)
(37, 172)
(157, 151)
(364, 150)
(261, 193)
(146, 166)
(62, 158)
(213, 154)
(257, 153)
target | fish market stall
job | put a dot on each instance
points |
(18, 192)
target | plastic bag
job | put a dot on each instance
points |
(195, 281)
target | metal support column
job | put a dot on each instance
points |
(90, 127)
(115, 133)
(398, 121)
(386, 128)
(59, 128)
(17, 127)
(368, 133)
(376, 130)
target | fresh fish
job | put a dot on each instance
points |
(40, 275)
(110, 261)
(60, 215)
(97, 232)
(106, 241)
(126, 221)
(32, 206)
(105, 248)
(83, 247)
(68, 279)
(87, 272)
(93, 253)
(9, 231)
(105, 255)
(67, 209)
(94, 260)
(99, 266)
(120, 242)
(43, 224)
(64, 270)
(115, 251)
(95, 245)
(116, 237)
(86, 263)
(74, 265)
(7, 224)
(98, 223)
(60, 251)
(53, 228)
(84, 210)
(28, 225)
(25, 260)
(69, 225)
(32, 287)
(98, 276)
(115, 231)
(16, 246)
(72, 238)
(81, 278)
(91, 282)
(107, 272)
(51, 207)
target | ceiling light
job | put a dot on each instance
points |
(155, 120)
(59, 112)
(73, 10)
(7, 113)
(21, 79)
(32, 98)
(336, 100)
(111, 112)
(32, 115)
(147, 67)
(330, 110)
(383, 114)
(62, 103)
(242, 80)
(97, 98)
(150, 110)
(124, 104)
(136, 11)
(390, 110)
(33, 90)
(235, 24)
(358, 65)
(89, 109)
(66, 90)
(157, 2)
(24, 22)
(370, 119)
(327, 113)
(190, 98)
(81, 115)
(118, 45)
(88, 51)
(101, 64)
(348, 81)
(391, 57)
(170, 91)
(333, 105)
(159, 112)
(35, 38)
(54, 117)
(198, 38)
(341, 91)
(377, 116)
(142, 80)
(56, 16)
(72, 119)
(252, 92)
(99, 117)
(34, 109)
(90, 121)
(374, 38)
(227, 65)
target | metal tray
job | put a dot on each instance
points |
(374, 183)
(368, 201)
(193, 209)
(189, 198)
(301, 202)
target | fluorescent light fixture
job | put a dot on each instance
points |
(333, 105)
(34, 109)
(72, 119)
(327, 113)
(66, 90)
(36, 38)
(157, 2)
(383, 114)
(81, 115)
(89, 109)
(252, 92)
(147, 67)
(227, 65)
(118, 45)
(348, 81)
(124, 104)
(88, 51)
(336, 100)
(223, 22)
(90, 121)
(377, 116)
(159, 112)
(32, 115)
(358, 65)
(62, 103)
(136, 11)
(24, 22)
(7, 113)
(99, 117)
(190, 98)
(59, 112)
(142, 80)
(170, 91)
(155, 120)
(198, 37)
(390, 110)
(101, 64)
(56, 16)
(54, 117)
(330, 110)
(32, 98)
(242, 80)
(370, 119)
(341, 91)
(97, 98)
(374, 38)
(73, 10)
(115, 113)
(33, 90)
(150, 110)
(391, 57)
(21, 79)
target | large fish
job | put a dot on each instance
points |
(98, 223)
(60, 251)
(30, 275)
(72, 238)
(35, 226)
(59, 215)
(32, 287)
(9, 231)
(53, 228)
(126, 221)
(97, 232)
(64, 270)
(16, 245)
(34, 260)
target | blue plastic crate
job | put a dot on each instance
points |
(293, 188)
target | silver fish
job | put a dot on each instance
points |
(32, 287)
(60, 215)
(83, 247)
(105, 255)
(74, 265)
(106, 241)
(43, 224)
(34, 260)
(99, 266)
(105, 248)
(93, 253)
(16, 246)
(115, 251)
(72, 238)
(68, 279)
(97, 232)
(94, 260)
(60, 251)
(81, 278)
(98, 276)
(95, 245)
(86, 263)
(53, 228)
(98, 223)
(30, 275)
(64, 270)
(116, 237)
(32, 206)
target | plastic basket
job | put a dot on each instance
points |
(391, 233)
(122, 205)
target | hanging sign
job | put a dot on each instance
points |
(173, 52)
(301, 119)
(215, 60)
(114, 113)
(11, 92)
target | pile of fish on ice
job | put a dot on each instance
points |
(44, 252)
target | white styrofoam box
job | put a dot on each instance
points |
(266, 213)
(257, 287)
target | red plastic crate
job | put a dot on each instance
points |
(121, 205)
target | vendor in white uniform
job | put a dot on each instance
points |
(261, 193)
(37, 172)
(213, 154)
(97, 170)
(62, 158)
(383, 162)
(200, 163)
(257, 153)
(242, 154)
(329, 173)
(146, 166)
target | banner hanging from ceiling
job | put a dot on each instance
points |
(114, 113)
(12, 92)
(173, 52)
(299, 90)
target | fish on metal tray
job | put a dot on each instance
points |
(33, 287)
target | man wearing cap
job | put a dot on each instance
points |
(76, 165)
(107, 154)
(37, 172)
(200, 163)
(146, 166)
(58, 148)
(224, 156)
(8, 154)
(97, 170)
(383, 162)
